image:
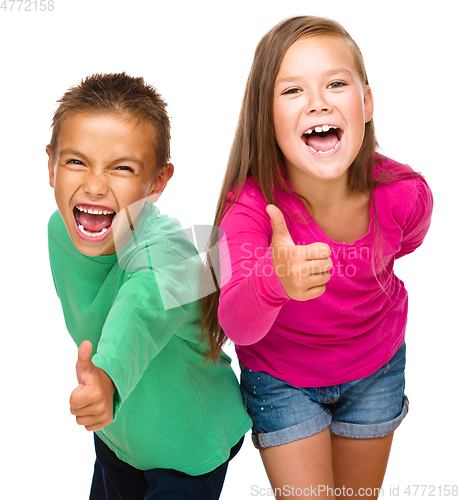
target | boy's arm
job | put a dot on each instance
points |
(136, 330)
(147, 312)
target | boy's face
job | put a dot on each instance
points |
(103, 164)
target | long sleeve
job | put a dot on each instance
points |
(252, 296)
(419, 219)
(149, 307)
(136, 330)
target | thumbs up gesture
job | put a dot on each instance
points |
(301, 269)
(92, 401)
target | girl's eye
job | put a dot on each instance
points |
(291, 91)
(125, 168)
(336, 85)
(75, 162)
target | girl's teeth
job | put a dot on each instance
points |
(92, 235)
(324, 152)
(320, 128)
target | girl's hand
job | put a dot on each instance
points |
(303, 270)
(92, 401)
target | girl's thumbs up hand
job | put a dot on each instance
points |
(303, 270)
(92, 401)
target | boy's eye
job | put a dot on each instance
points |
(124, 168)
(75, 164)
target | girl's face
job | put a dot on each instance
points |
(320, 109)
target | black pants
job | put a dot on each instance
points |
(116, 480)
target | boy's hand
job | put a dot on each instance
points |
(92, 401)
(301, 269)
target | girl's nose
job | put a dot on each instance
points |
(317, 104)
(95, 185)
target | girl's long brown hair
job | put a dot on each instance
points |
(256, 153)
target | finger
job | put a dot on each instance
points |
(96, 427)
(84, 364)
(82, 397)
(94, 422)
(316, 280)
(313, 293)
(314, 251)
(280, 230)
(90, 409)
(82, 406)
(91, 423)
(316, 288)
(315, 267)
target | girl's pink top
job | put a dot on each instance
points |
(355, 326)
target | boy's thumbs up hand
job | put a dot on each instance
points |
(92, 401)
(303, 270)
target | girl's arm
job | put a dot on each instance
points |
(251, 294)
(418, 221)
(262, 268)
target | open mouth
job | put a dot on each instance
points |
(93, 222)
(323, 139)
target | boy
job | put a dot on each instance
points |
(166, 423)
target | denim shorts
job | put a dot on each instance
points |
(370, 407)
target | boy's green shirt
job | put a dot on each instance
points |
(139, 310)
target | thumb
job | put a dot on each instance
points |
(280, 231)
(84, 364)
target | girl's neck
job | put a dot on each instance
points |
(323, 194)
(342, 214)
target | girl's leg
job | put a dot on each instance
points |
(359, 465)
(301, 469)
(327, 466)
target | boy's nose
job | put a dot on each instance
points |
(95, 185)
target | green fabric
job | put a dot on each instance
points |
(139, 310)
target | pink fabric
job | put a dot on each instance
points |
(351, 330)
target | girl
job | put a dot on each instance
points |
(313, 219)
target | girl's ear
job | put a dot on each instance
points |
(50, 165)
(160, 182)
(368, 104)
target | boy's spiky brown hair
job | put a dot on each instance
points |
(120, 94)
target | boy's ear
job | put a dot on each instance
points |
(368, 104)
(50, 165)
(160, 182)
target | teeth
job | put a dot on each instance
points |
(320, 128)
(94, 212)
(324, 152)
(92, 235)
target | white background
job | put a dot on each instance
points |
(198, 55)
